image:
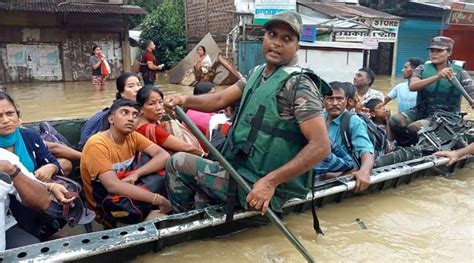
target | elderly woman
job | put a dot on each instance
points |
(31, 152)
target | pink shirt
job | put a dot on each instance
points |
(201, 119)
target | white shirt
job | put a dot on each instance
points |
(372, 94)
(6, 189)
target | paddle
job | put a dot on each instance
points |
(455, 82)
(235, 175)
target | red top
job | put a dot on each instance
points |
(149, 57)
(158, 135)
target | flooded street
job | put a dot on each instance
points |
(66, 100)
(429, 220)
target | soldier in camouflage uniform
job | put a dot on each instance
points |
(279, 133)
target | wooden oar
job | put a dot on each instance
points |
(455, 82)
(238, 178)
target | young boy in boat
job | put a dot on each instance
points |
(108, 153)
(277, 97)
(435, 91)
(377, 112)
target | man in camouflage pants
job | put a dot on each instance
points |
(278, 135)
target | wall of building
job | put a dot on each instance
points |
(55, 47)
(414, 36)
(463, 37)
(217, 20)
(343, 63)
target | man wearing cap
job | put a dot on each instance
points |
(278, 135)
(435, 92)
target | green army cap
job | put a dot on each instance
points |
(291, 18)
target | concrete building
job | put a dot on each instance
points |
(51, 40)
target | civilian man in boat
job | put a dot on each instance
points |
(435, 92)
(401, 92)
(110, 153)
(278, 136)
(362, 147)
(363, 80)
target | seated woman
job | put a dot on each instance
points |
(127, 86)
(202, 64)
(27, 149)
(201, 119)
(107, 157)
(152, 110)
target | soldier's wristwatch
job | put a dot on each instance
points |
(16, 173)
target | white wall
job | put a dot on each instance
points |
(332, 65)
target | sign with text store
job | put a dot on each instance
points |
(384, 30)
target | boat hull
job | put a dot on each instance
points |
(126, 243)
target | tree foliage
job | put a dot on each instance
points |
(165, 27)
(148, 5)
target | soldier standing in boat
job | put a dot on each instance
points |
(435, 91)
(278, 136)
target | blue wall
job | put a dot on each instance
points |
(249, 55)
(414, 35)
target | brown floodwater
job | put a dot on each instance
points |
(429, 220)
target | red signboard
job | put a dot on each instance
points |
(458, 17)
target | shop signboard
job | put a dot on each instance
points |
(264, 9)
(459, 17)
(384, 30)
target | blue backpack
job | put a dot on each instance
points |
(95, 124)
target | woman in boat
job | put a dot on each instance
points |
(28, 146)
(127, 85)
(152, 109)
(201, 119)
(202, 64)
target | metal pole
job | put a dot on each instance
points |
(235, 175)
(455, 82)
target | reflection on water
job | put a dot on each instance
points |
(431, 219)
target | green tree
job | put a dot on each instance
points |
(148, 5)
(165, 27)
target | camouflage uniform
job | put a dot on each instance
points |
(406, 124)
(194, 182)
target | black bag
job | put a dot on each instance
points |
(121, 208)
(218, 140)
(72, 212)
(377, 135)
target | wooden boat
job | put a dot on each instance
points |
(127, 242)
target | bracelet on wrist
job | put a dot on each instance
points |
(202, 153)
(16, 173)
(155, 197)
